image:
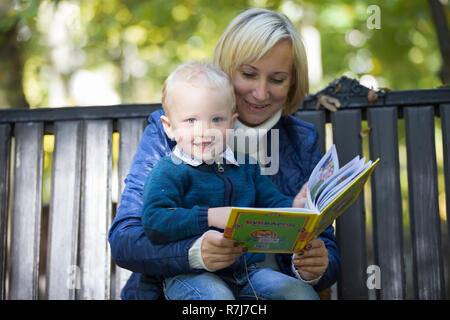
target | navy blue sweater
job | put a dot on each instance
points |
(177, 197)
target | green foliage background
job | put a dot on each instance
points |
(137, 43)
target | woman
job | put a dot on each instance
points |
(262, 53)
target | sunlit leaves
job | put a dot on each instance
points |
(145, 40)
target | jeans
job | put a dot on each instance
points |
(267, 285)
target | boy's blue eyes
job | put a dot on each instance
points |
(216, 119)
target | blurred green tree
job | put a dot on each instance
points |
(80, 52)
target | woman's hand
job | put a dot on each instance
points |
(312, 261)
(219, 252)
(300, 198)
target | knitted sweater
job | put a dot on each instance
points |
(177, 197)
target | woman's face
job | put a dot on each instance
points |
(262, 86)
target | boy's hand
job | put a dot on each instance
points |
(300, 198)
(312, 261)
(218, 217)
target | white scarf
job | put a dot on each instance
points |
(256, 134)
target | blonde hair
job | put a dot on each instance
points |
(251, 35)
(197, 74)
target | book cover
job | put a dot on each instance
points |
(288, 230)
(269, 230)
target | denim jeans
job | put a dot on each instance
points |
(267, 285)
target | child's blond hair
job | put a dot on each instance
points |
(195, 74)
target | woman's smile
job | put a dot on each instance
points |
(256, 107)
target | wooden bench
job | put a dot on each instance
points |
(65, 254)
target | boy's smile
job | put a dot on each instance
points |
(204, 145)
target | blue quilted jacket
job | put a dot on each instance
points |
(151, 263)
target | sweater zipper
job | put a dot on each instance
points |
(221, 170)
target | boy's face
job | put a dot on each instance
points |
(198, 120)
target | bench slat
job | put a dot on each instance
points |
(5, 143)
(130, 131)
(423, 203)
(26, 211)
(350, 227)
(62, 268)
(318, 118)
(445, 125)
(95, 215)
(386, 197)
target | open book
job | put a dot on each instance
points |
(331, 190)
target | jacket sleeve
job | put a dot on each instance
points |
(130, 248)
(163, 216)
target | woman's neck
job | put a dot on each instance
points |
(252, 140)
(268, 124)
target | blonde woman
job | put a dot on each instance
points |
(264, 57)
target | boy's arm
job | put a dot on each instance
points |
(163, 216)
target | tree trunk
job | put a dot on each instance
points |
(11, 66)
(443, 35)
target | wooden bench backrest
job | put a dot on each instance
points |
(418, 109)
(79, 263)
